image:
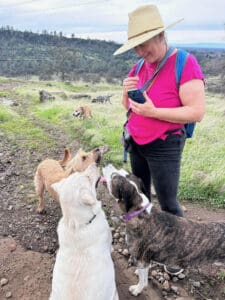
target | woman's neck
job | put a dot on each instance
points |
(163, 51)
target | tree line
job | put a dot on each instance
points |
(52, 55)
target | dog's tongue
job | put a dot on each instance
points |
(103, 180)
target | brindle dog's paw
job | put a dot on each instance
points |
(135, 290)
(41, 211)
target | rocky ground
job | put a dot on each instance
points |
(28, 240)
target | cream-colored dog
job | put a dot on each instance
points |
(50, 171)
(84, 268)
(83, 112)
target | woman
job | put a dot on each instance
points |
(157, 126)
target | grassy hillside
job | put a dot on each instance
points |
(203, 164)
(51, 56)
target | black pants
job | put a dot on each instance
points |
(159, 161)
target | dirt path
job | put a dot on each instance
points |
(28, 240)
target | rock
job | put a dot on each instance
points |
(45, 248)
(154, 273)
(115, 220)
(166, 285)
(116, 235)
(184, 208)
(125, 252)
(181, 276)
(219, 264)
(175, 279)
(26, 278)
(196, 284)
(3, 281)
(8, 295)
(175, 289)
(121, 240)
(12, 247)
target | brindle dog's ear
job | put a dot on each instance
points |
(116, 191)
(127, 198)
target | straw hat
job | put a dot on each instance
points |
(144, 23)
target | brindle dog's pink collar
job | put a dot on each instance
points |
(135, 213)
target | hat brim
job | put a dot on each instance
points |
(134, 42)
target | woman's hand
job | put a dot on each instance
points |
(146, 109)
(128, 84)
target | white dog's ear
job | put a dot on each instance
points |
(57, 186)
(87, 197)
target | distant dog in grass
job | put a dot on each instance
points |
(51, 171)
(83, 112)
(83, 268)
(152, 234)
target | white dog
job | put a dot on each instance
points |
(84, 268)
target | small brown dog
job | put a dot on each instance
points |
(51, 171)
(83, 112)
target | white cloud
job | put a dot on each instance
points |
(90, 17)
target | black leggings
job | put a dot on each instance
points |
(159, 161)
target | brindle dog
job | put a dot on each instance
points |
(156, 235)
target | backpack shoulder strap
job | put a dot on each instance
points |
(139, 66)
(181, 59)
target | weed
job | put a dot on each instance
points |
(221, 275)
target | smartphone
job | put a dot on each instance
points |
(136, 95)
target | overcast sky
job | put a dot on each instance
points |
(204, 20)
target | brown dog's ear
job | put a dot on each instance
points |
(67, 157)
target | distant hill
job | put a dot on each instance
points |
(51, 55)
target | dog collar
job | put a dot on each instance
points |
(135, 213)
(92, 219)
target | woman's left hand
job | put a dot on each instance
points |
(146, 109)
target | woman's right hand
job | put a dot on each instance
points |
(128, 84)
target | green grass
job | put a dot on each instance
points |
(20, 129)
(202, 171)
(4, 94)
(203, 164)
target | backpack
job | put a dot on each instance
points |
(181, 58)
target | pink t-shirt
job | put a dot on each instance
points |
(163, 93)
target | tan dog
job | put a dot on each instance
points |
(50, 171)
(83, 112)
